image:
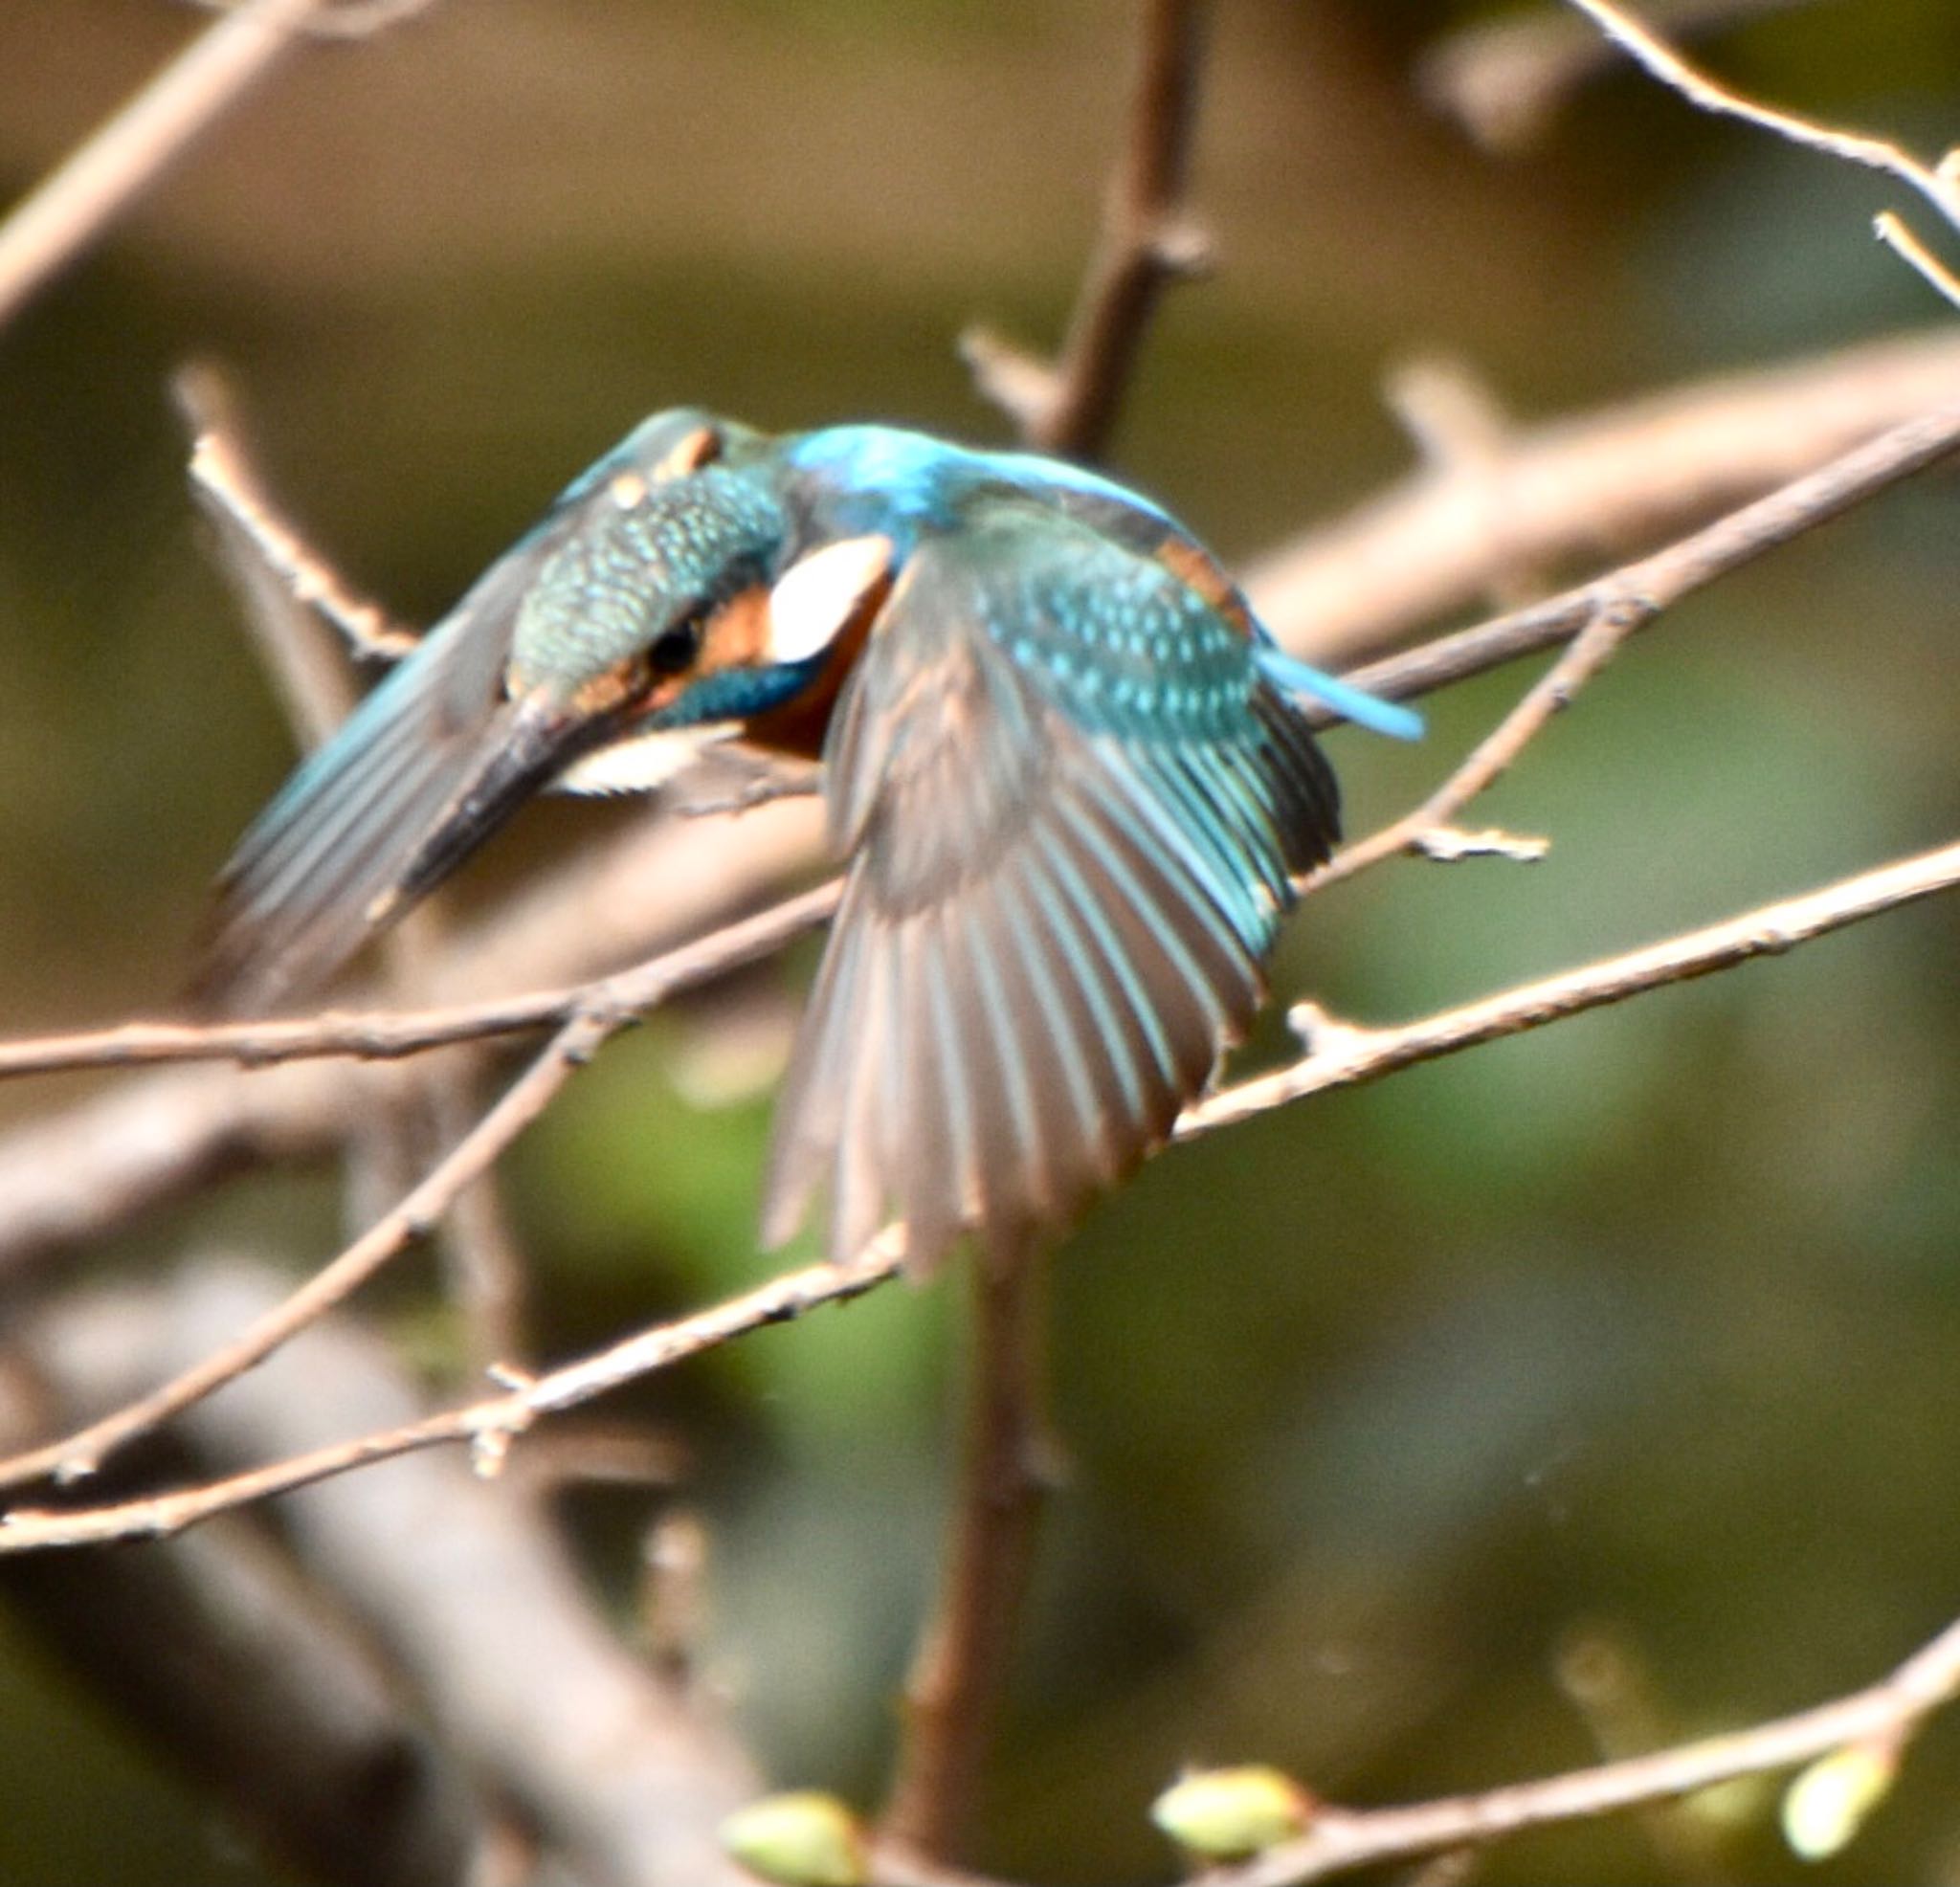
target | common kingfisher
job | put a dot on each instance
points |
(1064, 766)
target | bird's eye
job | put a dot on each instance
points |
(674, 648)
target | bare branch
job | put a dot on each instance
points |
(953, 1690)
(274, 566)
(1663, 63)
(1897, 236)
(1646, 588)
(1340, 1840)
(1505, 79)
(101, 178)
(488, 1630)
(486, 1426)
(1351, 1056)
(1625, 476)
(383, 1036)
(1145, 244)
(1939, 185)
(1366, 1055)
(600, 1014)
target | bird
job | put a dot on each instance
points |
(1067, 773)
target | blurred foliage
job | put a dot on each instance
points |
(1645, 1325)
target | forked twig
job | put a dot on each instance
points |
(1504, 78)
(1614, 607)
(272, 560)
(1939, 185)
(1145, 244)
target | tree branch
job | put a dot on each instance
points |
(1145, 244)
(100, 180)
(1505, 79)
(954, 1688)
(1339, 1057)
(1625, 475)
(1340, 1840)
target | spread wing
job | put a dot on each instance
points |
(341, 847)
(293, 902)
(1071, 804)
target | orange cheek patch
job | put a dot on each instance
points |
(738, 635)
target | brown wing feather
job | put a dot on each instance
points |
(1046, 938)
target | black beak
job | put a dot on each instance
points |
(526, 746)
(372, 824)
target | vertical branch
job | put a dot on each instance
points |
(959, 1673)
(954, 1691)
(1146, 243)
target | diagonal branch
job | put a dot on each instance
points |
(1340, 1057)
(1505, 79)
(1939, 185)
(1633, 474)
(1641, 590)
(590, 1023)
(1339, 1840)
(74, 204)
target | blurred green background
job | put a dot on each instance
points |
(1643, 1332)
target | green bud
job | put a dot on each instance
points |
(1226, 1814)
(805, 1838)
(1826, 1806)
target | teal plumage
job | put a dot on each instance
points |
(1061, 765)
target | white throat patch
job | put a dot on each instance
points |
(819, 593)
(644, 764)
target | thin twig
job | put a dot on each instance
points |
(954, 1691)
(100, 180)
(1505, 79)
(379, 1035)
(1614, 608)
(78, 1455)
(485, 1426)
(1340, 1840)
(579, 1037)
(1686, 565)
(1897, 236)
(1348, 1055)
(1344, 1058)
(1144, 245)
(1938, 186)
(1430, 827)
(259, 540)
(289, 597)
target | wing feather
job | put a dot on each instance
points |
(1054, 921)
(298, 896)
